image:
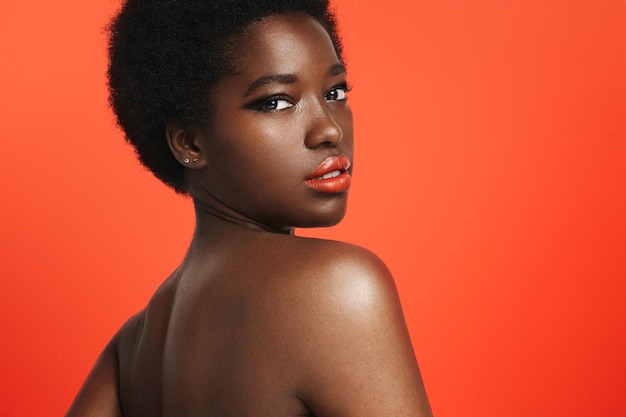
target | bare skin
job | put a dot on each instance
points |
(257, 321)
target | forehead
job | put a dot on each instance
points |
(285, 43)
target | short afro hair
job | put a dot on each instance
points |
(165, 56)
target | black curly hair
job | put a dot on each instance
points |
(166, 55)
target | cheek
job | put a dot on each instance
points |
(256, 155)
(270, 139)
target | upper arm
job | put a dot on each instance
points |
(356, 354)
(99, 395)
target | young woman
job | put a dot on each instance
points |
(242, 105)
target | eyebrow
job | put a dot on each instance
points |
(334, 70)
(337, 69)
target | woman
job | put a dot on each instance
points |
(242, 105)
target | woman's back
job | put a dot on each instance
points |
(207, 343)
(239, 332)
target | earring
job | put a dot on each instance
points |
(194, 160)
(186, 160)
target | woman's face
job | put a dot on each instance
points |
(278, 125)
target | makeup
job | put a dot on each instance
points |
(331, 176)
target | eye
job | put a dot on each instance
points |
(337, 93)
(273, 104)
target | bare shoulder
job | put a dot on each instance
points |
(345, 274)
(333, 278)
(332, 254)
(354, 351)
(125, 340)
(99, 395)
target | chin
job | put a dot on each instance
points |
(325, 219)
(310, 215)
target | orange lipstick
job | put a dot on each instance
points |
(331, 176)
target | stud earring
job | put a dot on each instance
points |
(186, 160)
(194, 160)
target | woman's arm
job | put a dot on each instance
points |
(358, 359)
(99, 395)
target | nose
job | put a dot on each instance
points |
(324, 129)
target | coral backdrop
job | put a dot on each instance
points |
(490, 176)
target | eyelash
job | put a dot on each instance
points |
(343, 87)
(270, 104)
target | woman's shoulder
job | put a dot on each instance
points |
(352, 348)
(336, 279)
(329, 265)
(323, 253)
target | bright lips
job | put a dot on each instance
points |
(331, 176)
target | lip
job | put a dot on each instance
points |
(335, 169)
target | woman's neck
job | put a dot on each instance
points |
(210, 218)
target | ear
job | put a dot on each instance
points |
(188, 145)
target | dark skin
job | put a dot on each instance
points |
(257, 321)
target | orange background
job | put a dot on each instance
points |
(490, 177)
